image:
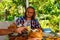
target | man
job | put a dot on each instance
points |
(27, 20)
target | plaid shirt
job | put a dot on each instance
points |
(34, 23)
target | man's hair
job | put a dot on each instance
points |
(33, 16)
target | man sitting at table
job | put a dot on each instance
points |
(27, 20)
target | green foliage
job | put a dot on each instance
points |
(48, 11)
(11, 8)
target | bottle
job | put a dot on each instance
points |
(28, 27)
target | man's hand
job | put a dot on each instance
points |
(20, 29)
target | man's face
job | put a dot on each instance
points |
(30, 12)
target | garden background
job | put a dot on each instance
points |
(47, 11)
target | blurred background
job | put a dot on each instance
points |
(47, 11)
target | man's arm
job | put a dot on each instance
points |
(5, 32)
(10, 29)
